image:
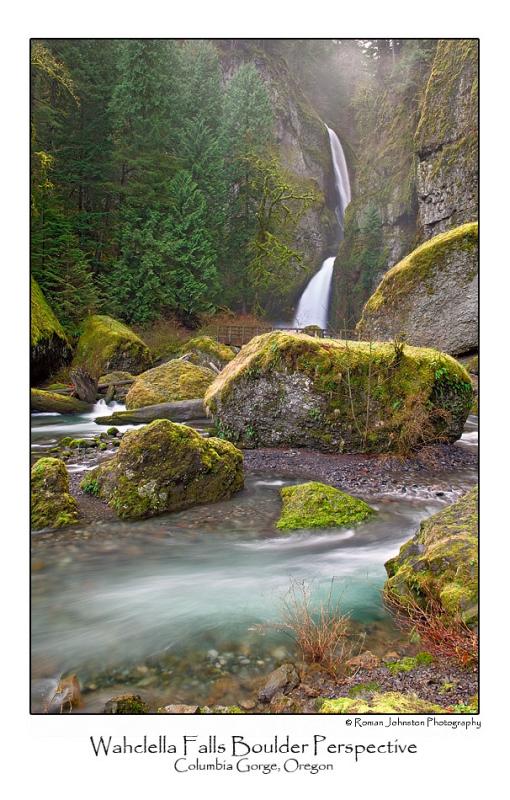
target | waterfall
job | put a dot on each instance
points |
(313, 306)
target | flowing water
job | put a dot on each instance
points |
(313, 306)
(182, 607)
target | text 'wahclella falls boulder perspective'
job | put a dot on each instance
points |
(293, 390)
(166, 466)
(431, 296)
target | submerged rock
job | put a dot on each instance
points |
(204, 351)
(50, 348)
(431, 297)
(281, 680)
(286, 389)
(107, 345)
(41, 400)
(175, 380)
(441, 561)
(384, 703)
(316, 505)
(51, 504)
(165, 466)
(126, 704)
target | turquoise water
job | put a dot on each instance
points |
(123, 603)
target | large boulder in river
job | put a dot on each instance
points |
(431, 296)
(175, 380)
(440, 563)
(166, 466)
(204, 351)
(316, 505)
(286, 389)
(107, 345)
(53, 402)
(51, 504)
(50, 348)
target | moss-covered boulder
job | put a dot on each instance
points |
(431, 296)
(166, 466)
(175, 380)
(126, 704)
(51, 504)
(379, 703)
(204, 351)
(50, 348)
(114, 377)
(316, 505)
(41, 400)
(286, 389)
(441, 561)
(107, 345)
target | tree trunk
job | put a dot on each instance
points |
(85, 387)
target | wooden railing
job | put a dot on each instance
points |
(238, 335)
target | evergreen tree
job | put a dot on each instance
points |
(166, 262)
(247, 133)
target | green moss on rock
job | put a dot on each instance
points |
(126, 704)
(51, 504)
(383, 703)
(107, 345)
(50, 348)
(175, 380)
(165, 466)
(286, 389)
(419, 268)
(409, 663)
(41, 400)
(204, 351)
(441, 561)
(316, 505)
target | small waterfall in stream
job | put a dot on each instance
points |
(313, 306)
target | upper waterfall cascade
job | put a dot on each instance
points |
(313, 306)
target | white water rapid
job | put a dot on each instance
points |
(313, 306)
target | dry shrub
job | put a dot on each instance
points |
(164, 337)
(419, 424)
(322, 632)
(444, 637)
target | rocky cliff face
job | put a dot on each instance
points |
(447, 140)
(431, 296)
(303, 147)
(415, 168)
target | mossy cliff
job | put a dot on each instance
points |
(165, 466)
(204, 351)
(316, 505)
(415, 171)
(294, 390)
(53, 402)
(50, 348)
(107, 345)
(303, 149)
(175, 380)
(431, 296)
(441, 561)
(446, 139)
(51, 504)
